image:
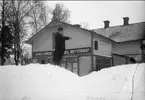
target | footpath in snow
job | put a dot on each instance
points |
(48, 82)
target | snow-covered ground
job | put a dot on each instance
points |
(117, 83)
(48, 82)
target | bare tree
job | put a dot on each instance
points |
(84, 25)
(18, 14)
(6, 38)
(61, 13)
(19, 9)
(38, 16)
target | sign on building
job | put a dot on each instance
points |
(67, 52)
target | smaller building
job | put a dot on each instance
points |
(127, 38)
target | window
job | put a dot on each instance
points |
(96, 45)
(102, 62)
(42, 61)
(53, 40)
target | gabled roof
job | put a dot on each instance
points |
(30, 40)
(123, 33)
(55, 23)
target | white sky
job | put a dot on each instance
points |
(95, 12)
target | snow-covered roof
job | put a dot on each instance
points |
(124, 33)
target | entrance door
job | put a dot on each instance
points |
(85, 65)
(70, 63)
(42, 61)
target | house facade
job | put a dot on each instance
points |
(90, 50)
(127, 41)
(86, 51)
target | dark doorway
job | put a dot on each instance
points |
(102, 62)
(42, 61)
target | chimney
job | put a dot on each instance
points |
(126, 20)
(106, 24)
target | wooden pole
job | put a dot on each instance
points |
(143, 51)
(92, 60)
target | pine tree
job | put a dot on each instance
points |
(7, 42)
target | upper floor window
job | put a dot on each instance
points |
(96, 45)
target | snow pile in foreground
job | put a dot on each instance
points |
(38, 82)
(48, 82)
(116, 83)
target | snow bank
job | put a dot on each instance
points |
(38, 82)
(116, 83)
(48, 82)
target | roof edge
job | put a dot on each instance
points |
(30, 40)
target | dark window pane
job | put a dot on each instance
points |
(96, 45)
(43, 62)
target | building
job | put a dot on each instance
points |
(91, 49)
(127, 38)
(86, 51)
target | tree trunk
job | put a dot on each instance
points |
(17, 41)
(2, 36)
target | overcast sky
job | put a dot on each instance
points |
(95, 12)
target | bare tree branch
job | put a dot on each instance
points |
(61, 13)
(84, 25)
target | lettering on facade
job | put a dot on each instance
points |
(67, 52)
(78, 51)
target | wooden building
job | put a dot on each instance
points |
(85, 52)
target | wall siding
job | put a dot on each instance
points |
(104, 46)
(79, 39)
(127, 47)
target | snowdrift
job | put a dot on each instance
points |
(117, 83)
(48, 82)
(37, 82)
